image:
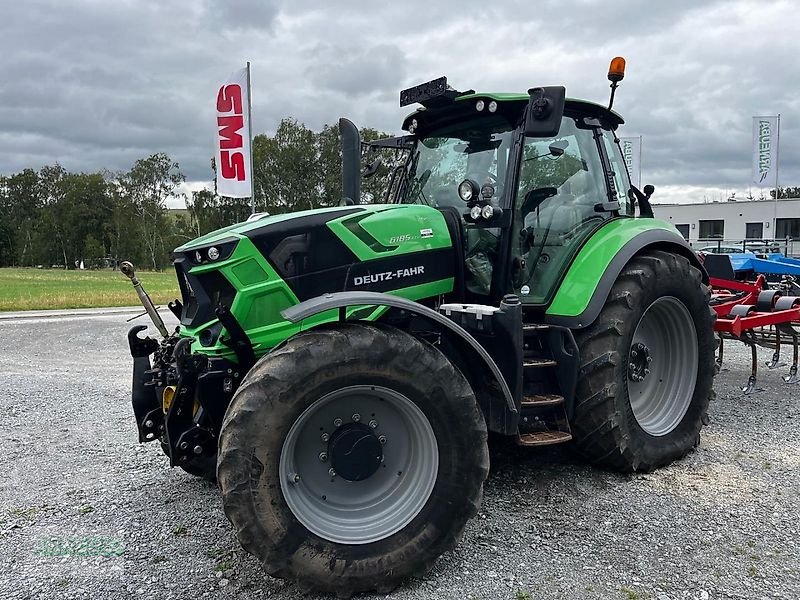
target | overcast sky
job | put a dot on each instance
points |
(95, 85)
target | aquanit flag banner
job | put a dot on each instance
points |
(234, 170)
(765, 150)
(632, 153)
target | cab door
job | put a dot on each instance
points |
(562, 196)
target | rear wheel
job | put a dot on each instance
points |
(351, 458)
(647, 366)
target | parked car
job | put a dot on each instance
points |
(724, 250)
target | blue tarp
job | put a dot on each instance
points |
(776, 264)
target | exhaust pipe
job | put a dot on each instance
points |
(129, 272)
(351, 161)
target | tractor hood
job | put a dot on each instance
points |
(276, 261)
(367, 230)
(241, 229)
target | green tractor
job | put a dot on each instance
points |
(338, 370)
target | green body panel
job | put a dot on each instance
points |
(392, 229)
(583, 275)
(376, 232)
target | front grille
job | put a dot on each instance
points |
(201, 293)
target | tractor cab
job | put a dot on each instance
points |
(526, 192)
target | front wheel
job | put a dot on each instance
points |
(647, 366)
(351, 457)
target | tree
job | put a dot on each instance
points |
(210, 212)
(147, 187)
(786, 192)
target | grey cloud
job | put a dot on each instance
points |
(241, 14)
(98, 85)
(356, 71)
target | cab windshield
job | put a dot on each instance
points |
(476, 150)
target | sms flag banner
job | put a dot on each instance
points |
(233, 151)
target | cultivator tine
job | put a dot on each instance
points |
(751, 381)
(792, 376)
(718, 364)
(776, 357)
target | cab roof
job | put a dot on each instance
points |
(509, 105)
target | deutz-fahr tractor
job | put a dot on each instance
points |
(338, 370)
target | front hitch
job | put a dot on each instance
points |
(144, 396)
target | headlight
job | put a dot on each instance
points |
(475, 213)
(466, 190)
(487, 190)
(479, 105)
(492, 106)
(487, 212)
(220, 251)
(412, 127)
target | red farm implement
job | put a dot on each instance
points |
(758, 315)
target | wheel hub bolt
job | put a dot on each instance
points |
(198, 449)
(337, 422)
(356, 417)
(148, 423)
(634, 353)
(332, 472)
(325, 437)
(382, 439)
(649, 359)
(632, 366)
(373, 423)
(184, 446)
(323, 456)
(647, 371)
(294, 478)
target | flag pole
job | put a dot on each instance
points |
(250, 136)
(640, 160)
(777, 189)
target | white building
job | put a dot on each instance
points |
(734, 221)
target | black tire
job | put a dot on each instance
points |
(605, 428)
(204, 467)
(275, 394)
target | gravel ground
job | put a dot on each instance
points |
(87, 512)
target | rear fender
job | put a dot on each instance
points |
(585, 288)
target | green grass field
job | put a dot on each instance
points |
(40, 289)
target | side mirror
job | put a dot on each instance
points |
(544, 111)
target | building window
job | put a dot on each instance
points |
(683, 229)
(754, 231)
(712, 230)
(787, 228)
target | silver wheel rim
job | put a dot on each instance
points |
(359, 512)
(662, 366)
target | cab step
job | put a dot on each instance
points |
(543, 438)
(538, 363)
(542, 400)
